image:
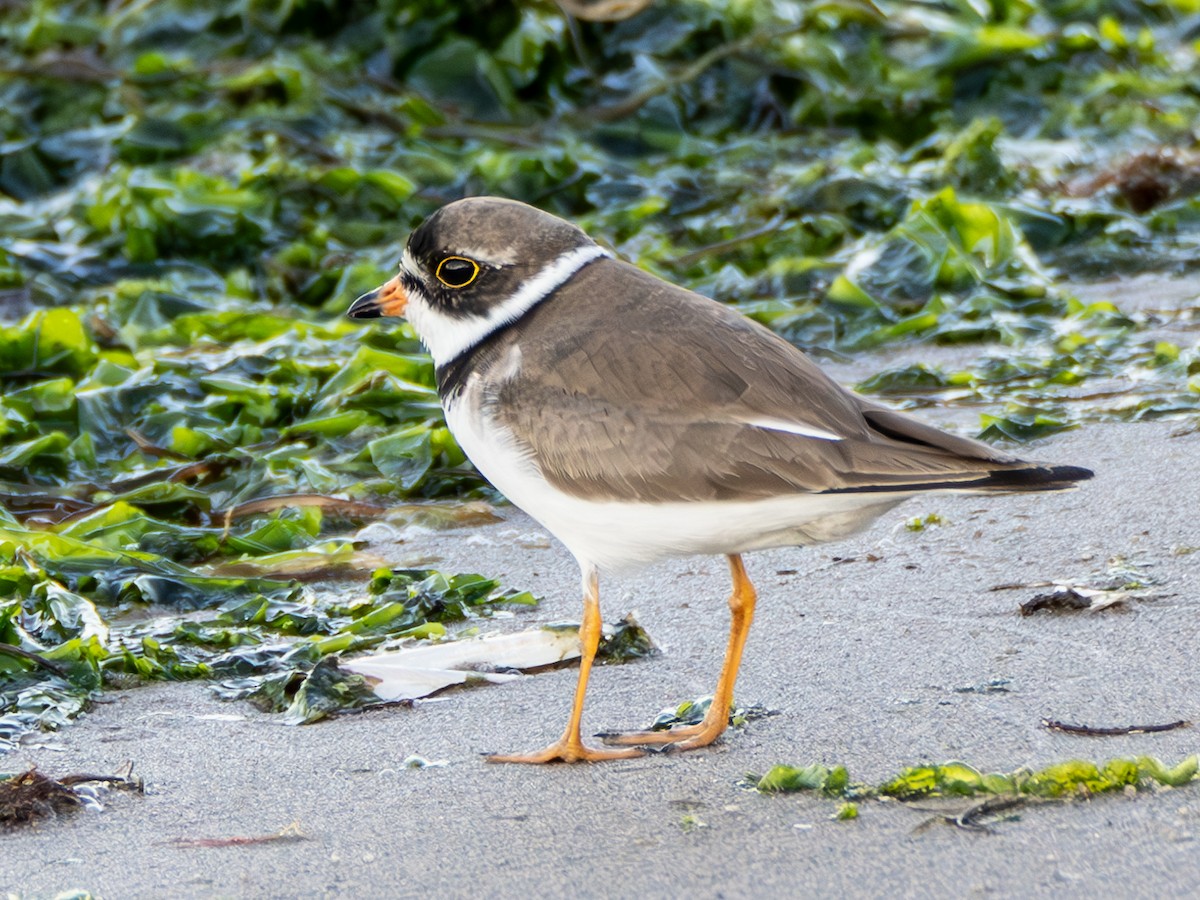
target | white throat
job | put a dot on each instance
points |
(445, 337)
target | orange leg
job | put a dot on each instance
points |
(716, 720)
(570, 747)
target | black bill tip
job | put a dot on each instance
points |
(390, 299)
(366, 306)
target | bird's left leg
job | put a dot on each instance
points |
(570, 747)
(716, 720)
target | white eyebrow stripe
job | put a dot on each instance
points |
(799, 428)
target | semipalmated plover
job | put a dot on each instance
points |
(637, 420)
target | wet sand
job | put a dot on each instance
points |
(878, 652)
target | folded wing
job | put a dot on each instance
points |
(726, 411)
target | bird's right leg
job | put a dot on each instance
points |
(716, 720)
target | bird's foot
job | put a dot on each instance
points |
(672, 740)
(564, 750)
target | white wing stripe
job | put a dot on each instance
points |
(799, 428)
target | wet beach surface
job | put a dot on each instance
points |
(890, 649)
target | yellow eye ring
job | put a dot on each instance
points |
(457, 275)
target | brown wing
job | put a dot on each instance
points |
(688, 400)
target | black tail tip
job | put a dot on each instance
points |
(1039, 477)
(1068, 473)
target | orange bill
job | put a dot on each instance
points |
(389, 300)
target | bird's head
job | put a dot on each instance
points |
(475, 265)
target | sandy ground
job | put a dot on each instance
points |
(865, 647)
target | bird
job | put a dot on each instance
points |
(638, 421)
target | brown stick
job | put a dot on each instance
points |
(34, 658)
(1093, 731)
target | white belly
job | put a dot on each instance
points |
(623, 535)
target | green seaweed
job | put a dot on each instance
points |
(1072, 778)
(264, 642)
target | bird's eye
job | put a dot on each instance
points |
(457, 271)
